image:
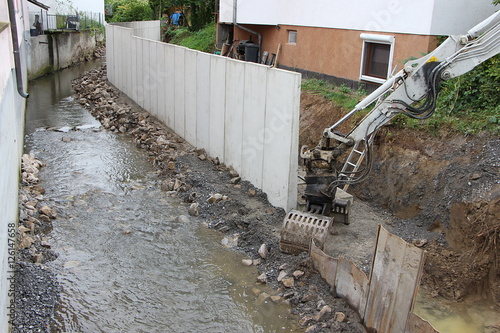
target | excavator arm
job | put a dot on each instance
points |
(343, 159)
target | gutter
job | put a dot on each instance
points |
(15, 44)
(235, 11)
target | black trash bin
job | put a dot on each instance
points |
(252, 52)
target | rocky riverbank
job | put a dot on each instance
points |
(218, 197)
(36, 287)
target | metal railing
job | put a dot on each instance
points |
(43, 21)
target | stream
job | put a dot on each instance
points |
(127, 262)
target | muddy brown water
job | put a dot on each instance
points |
(126, 263)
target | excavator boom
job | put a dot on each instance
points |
(413, 92)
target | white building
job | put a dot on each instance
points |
(359, 40)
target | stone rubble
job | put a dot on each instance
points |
(36, 286)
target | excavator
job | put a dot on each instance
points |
(343, 159)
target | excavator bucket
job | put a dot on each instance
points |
(299, 228)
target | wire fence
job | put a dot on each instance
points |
(43, 21)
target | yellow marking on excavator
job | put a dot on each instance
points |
(432, 59)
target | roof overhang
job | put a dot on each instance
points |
(39, 4)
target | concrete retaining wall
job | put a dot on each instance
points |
(12, 110)
(145, 29)
(245, 114)
(59, 50)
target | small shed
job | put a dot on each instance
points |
(38, 17)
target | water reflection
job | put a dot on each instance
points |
(126, 263)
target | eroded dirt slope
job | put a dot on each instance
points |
(444, 190)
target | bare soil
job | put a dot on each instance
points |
(441, 191)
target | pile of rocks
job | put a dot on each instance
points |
(100, 50)
(35, 219)
(36, 286)
(294, 284)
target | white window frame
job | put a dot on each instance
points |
(290, 34)
(376, 39)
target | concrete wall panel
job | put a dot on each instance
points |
(179, 80)
(134, 92)
(129, 56)
(169, 66)
(153, 78)
(146, 73)
(139, 77)
(279, 135)
(161, 96)
(110, 52)
(121, 60)
(254, 115)
(190, 99)
(233, 130)
(217, 106)
(203, 101)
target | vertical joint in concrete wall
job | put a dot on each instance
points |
(51, 51)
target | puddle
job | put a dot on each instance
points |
(467, 317)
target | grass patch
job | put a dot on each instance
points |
(201, 40)
(452, 115)
(341, 95)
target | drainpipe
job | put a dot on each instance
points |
(15, 44)
(235, 11)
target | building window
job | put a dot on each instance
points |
(292, 36)
(376, 62)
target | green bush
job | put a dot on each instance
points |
(131, 10)
(467, 104)
(201, 40)
(341, 95)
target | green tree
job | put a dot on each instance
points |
(198, 12)
(131, 10)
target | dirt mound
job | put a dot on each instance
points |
(316, 114)
(440, 189)
(475, 234)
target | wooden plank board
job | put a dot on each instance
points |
(326, 265)
(352, 284)
(393, 283)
